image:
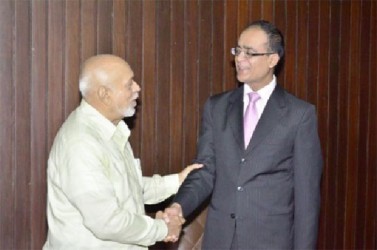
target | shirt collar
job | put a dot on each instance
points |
(119, 133)
(264, 92)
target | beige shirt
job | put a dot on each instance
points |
(96, 192)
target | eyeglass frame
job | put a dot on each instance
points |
(233, 51)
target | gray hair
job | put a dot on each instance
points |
(88, 80)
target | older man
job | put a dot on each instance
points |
(96, 192)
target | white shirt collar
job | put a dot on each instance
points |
(264, 92)
(106, 128)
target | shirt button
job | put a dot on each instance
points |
(240, 189)
(232, 215)
(243, 160)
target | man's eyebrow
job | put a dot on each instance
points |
(246, 47)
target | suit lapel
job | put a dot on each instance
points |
(235, 116)
(273, 112)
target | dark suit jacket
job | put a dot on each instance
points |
(270, 192)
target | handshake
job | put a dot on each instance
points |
(174, 220)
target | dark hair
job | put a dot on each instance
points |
(275, 38)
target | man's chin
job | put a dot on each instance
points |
(129, 112)
(241, 79)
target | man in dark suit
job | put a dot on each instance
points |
(265, 191)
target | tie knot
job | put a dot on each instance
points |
(253, 97)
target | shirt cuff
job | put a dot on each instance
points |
(162, 229)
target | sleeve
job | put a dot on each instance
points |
(307, 179)
(85, 182)
(198, 186)
(158, 188)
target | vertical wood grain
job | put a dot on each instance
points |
(230, 40)
(163, 102)
(55, 68)
(38, 124)
(148, 78)
(22, 117)
(302, 47)
(119, 28)
(343, 143)
(243, 18)
(134, 58)
(205, 57)
(291, 42)
(256, 10)
(190, 98)
(89, 27)
(280, 19)
(7, 132)
(72, 57)
(104, 26)
(268, 10)
(370, 229)
(364, 101)
(176, 85)
(218, 47)
(180, 54)
(323, 106)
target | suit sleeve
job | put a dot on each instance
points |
(198, 186)
(307, 177)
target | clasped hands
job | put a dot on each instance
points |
(173, 215)
(174, 220)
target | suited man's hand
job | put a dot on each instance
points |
(185, 172)
(174, 224)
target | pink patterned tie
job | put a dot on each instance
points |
(250, 119)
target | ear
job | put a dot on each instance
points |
(104, 95)
(274, 59)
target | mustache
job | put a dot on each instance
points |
(135, 96)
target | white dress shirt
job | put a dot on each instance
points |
(264, 94)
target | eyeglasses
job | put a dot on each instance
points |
(247, 53)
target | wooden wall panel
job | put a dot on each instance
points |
(104, 26)
(38, 124)
(72, 56)
(162, 87)
(22, 124)
(119, 28)
(205, 57)
(218, 49)
(148, 80)
(176, 84)
(55, 68)
(180, 55)
(361, 204)
(190, 103)
(7, 145)
(369, 237)
(88, 29)
(134, 52)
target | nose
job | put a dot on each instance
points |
(241, 56)
(136, 87)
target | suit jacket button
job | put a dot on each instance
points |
(243, 160)
(232, 215)
(240, 189)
